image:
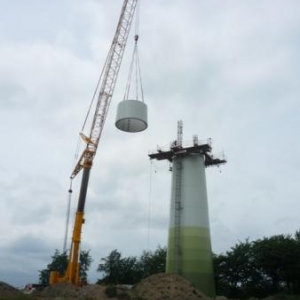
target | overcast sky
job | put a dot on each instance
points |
(228, 69)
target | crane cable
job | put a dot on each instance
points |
(149, 206)
(138, 71)
(135, 69)
(67, 217)
(89, 109)
(95, 93)
(77, 154)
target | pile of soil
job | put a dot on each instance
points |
(166, 287)
(7, 291)
(156, 287)
(69, 291)
(61, 289)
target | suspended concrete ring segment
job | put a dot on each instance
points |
(132, 116)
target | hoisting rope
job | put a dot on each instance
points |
(77, 155)
(68, 217)
(137, 18)
(89, 110)
(149, 207)
(135, 60)
(95, 93)
(135, 69)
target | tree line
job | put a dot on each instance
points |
(130, 270)
(114, 268)
(259, 268)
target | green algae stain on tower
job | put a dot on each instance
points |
(189, 245)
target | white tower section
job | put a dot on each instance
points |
(189, 246)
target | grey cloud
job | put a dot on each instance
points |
(228, 79)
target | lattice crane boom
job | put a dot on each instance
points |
(107, 85)
(110, 74)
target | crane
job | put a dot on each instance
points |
(85, 162)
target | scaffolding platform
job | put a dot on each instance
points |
(177, 151)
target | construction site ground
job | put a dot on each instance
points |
(155, 287)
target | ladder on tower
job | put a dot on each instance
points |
(177, 216)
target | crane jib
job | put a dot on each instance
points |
(109, 78)
(110, 74)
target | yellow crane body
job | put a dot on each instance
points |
(109, 78)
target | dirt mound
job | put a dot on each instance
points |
(156, 287)
(61, 289)
(7, 290)
(166, 287)
(69, 291)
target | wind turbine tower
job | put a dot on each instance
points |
(189, 244)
